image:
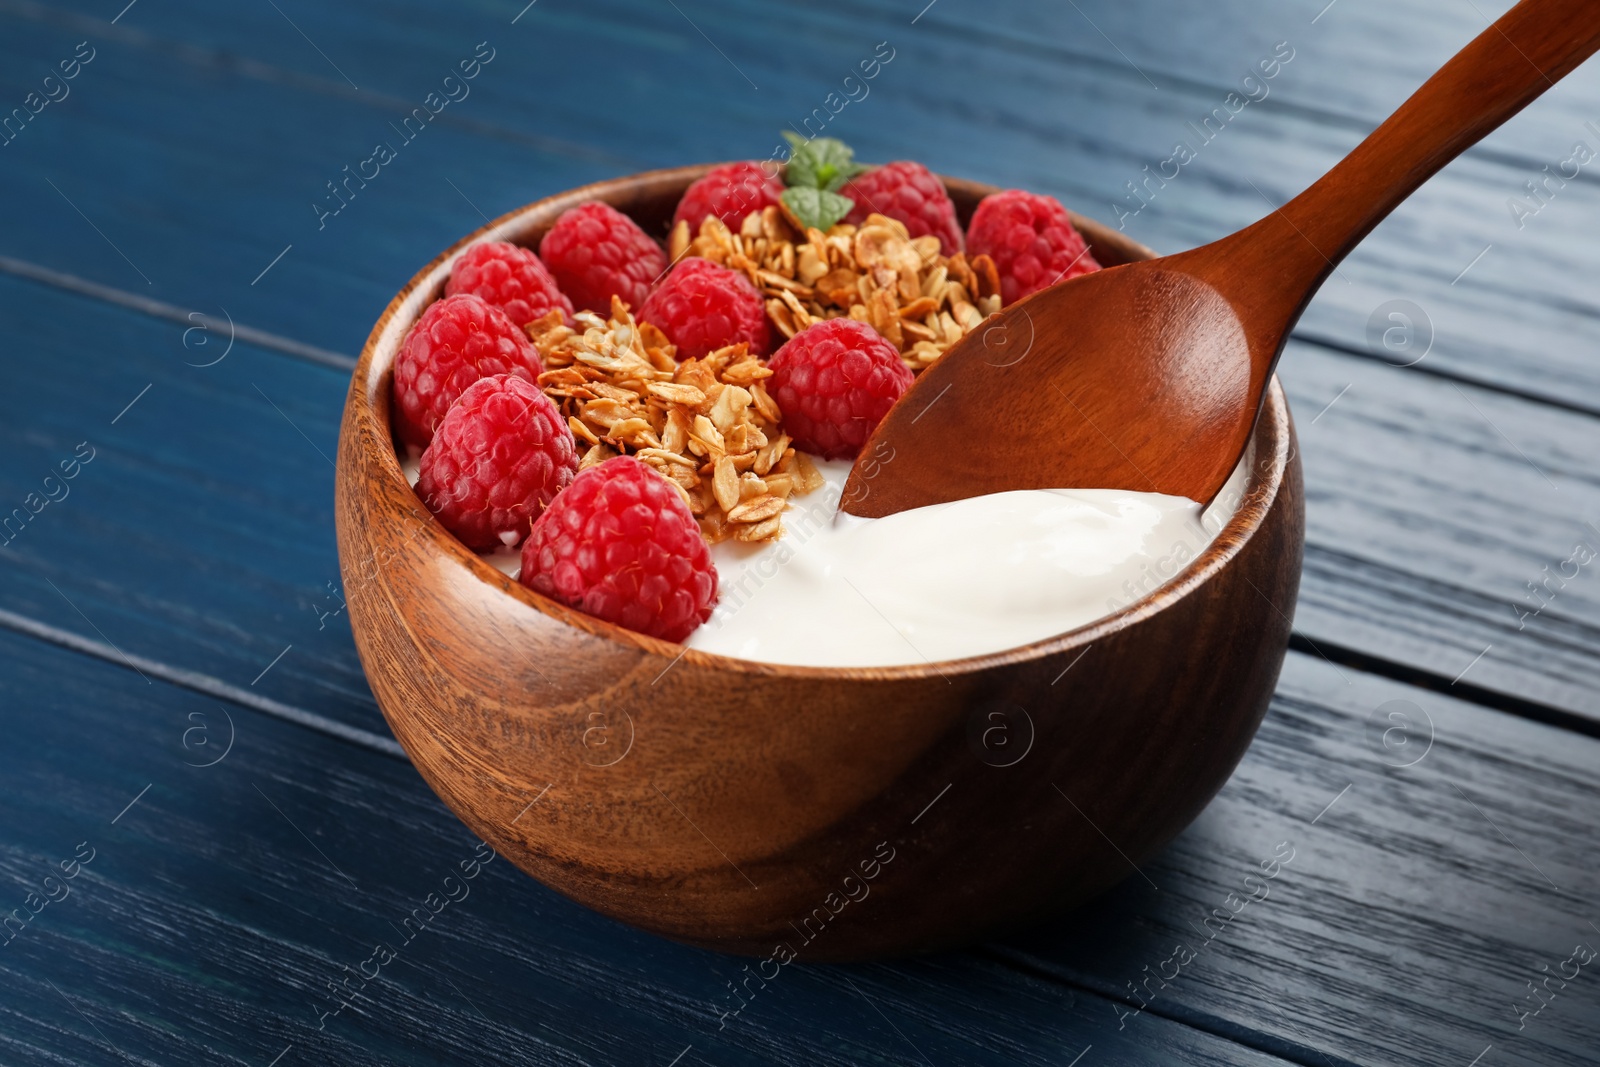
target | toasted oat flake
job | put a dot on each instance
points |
(766, 530)
(875, 273)
(764, 507)
(706, 425)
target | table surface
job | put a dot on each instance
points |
(187, 728)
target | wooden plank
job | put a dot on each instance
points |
(1442, 860)
(1355, 62)
(1447, 523)
(221, 901)
(1525, 294)
(187, 182)
(200, 530)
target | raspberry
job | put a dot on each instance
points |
(910, 193)
(620, 544)
(833, 382)
(456, 341)
(499, 455)
(729, 192)
(1031, 240)
(702, 307)
(595, 252)
(509, 277)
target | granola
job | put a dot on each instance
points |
(920, 300)
(707, 425)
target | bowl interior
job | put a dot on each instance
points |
(650, 199)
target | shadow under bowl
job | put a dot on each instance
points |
(824, 813)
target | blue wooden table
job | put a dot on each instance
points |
(205, 827)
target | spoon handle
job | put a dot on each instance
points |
(1500, 72)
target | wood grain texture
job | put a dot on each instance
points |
(218, 908)
(693, 833)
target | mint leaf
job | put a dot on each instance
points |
(822, 163)
(817, 208)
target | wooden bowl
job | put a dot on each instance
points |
(829, 814)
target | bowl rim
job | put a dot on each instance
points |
(369, 402)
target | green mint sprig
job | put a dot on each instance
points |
(817, 169)
(817, 208)
(821, 163)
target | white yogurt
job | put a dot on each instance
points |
(943, 582)
(951, 580)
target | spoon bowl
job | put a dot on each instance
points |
(1053, 376)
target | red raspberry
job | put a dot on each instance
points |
(456, 341)
(500, 454)
(620, 544)
(596, 251)
(729, 192)
(509, 277)
(1031, 240)
(702, 307)
(910, 193)
(833, 382)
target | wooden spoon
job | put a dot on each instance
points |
(1149, 376)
